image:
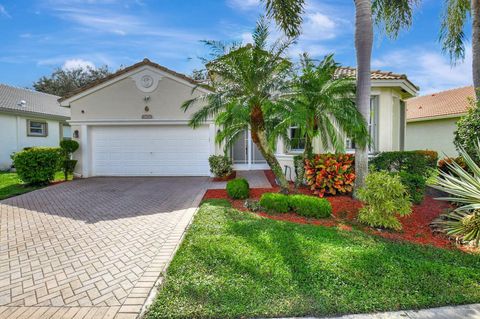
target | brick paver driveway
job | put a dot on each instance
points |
(91, 248)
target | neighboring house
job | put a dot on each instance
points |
(431, 119)
(130, 123)
(29, 118)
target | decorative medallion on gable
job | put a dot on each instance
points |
(146, 80)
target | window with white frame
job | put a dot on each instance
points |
(372, 128)
(297, 141)
(37, 128)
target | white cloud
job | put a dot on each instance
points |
(4, 12)
(428, 69)
(319, 26)
(77, 63)
(243, 4)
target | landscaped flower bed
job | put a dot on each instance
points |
(416, 227)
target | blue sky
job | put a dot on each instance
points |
(38, 36)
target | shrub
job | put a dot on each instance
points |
(220, 165)
(464, 188)
(309, 206)
(68, 165)
(412, 162)
(330, 174)
(275, 202)
(468, 132)
(415, 185)
(37, 165)
(444, 167)
(238, 188)
(384, 198)
(431, 157)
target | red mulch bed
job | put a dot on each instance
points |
(416, 227)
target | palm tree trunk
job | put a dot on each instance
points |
(259, 137)
(363, 46)
(476, 46)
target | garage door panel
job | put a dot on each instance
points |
(150, 150)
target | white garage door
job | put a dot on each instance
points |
(163, 150)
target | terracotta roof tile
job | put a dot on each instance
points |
(450, 102)
(376, 74)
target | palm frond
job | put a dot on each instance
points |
(287, 14)
(452, 35)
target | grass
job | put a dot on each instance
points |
(235, 265)
(11, 185)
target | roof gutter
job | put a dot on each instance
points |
(34, 114)
(433, 118)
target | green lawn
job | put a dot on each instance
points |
(234, 264)
(11, 185)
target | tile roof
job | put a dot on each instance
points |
(15, 99)
(376, 75)
(128, 69)
(446, 103)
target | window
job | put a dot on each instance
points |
(297, 141)
(372, 128)
(36, 128)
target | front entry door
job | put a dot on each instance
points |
(246, 155)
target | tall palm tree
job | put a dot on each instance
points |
(323, 105)
(390, 15)
(453, 37)
(247, 82)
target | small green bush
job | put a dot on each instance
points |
(220, 165)
(238, 188)
(310, 206)
(384, 198)
(275, 202)
(37, 165)
(68, 165)
(415, 185)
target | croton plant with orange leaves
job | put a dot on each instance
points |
(330, 174)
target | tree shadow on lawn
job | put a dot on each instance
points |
(272, 268)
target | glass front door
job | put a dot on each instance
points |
(245, 154)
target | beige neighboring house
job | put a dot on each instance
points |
(29, 118)
(431, 119)
(131, 124)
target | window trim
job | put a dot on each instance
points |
(44, 127)
(294, 150)
(372, 125)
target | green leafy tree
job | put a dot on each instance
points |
(323, 106)
(467, 134)
(452, 34)
(389, 15)
(248, 82)
(62, 82)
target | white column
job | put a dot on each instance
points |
(250, 149)
(86, 154)
(212, 133)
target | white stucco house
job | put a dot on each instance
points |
(432, 119)
(131, 124)
(29, 118)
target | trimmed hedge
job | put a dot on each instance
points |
(238, 188)
(412, 162)
(37, 165)
(310, 206)
(431, 157)
(275, 202)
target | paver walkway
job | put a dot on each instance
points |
(91, 248)
(256, 179)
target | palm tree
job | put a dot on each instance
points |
(390, 15)
(247, 82)
(452, 34)
(323, 106)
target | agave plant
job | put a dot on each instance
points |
(464, 188)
